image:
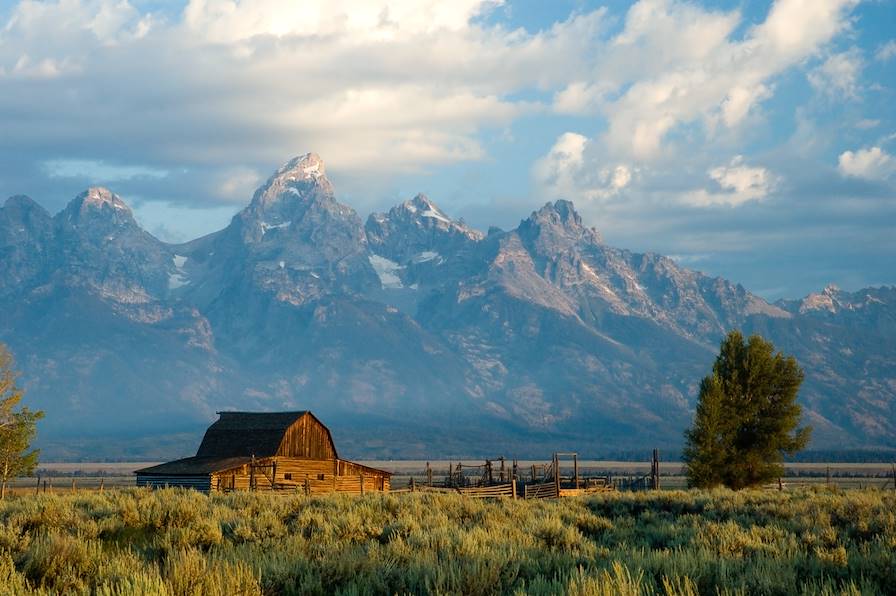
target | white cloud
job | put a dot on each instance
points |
(231, 87)
(886, 51)
(698, 75)
(566, 172)
(739, 183)
(248, 84)
(371, 20)
(837, 77)
(679, 85)
(871, 163)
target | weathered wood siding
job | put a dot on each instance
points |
(307, 438)
(199, 482)
(320, 475)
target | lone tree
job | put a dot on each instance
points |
(17, 428)
(747, 416)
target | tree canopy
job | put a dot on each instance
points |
(747, 416)
(17, 427)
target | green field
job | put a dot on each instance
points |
(815, 541)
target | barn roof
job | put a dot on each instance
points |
(194, 465)
(244, 434)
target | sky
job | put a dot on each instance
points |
(747, 139)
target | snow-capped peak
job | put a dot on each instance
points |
(98, 196)
(304, 167)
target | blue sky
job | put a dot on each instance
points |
(751, 140)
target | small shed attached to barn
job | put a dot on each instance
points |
(266, 451)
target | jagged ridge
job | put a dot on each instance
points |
(412, 318)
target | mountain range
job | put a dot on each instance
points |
(410, 334)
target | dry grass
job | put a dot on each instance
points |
(134, 541)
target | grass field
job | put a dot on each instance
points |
(130, 541)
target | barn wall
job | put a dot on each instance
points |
(198, 482)
(307, 438)
(291, 474)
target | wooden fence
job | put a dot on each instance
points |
(481, 492)
(547, 490)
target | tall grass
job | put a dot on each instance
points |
(684, 543)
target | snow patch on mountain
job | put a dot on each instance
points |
(265, 226)
(177, 280)
(387, 271)
(426, 256)
(435, 215)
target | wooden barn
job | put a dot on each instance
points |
(266, 451)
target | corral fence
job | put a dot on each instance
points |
(501, 478)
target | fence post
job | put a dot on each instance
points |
(413, 484)
(556, 475)
(37, 488)
(893, 465)
(575, 468)
(73, 484)
(307, 485)
(102, 483)
(252, 474)
(513, 486)
(428, 474)
(362, 484)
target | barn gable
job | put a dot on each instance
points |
(308, 438)
(267, 434)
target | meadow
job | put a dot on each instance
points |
(134, 541)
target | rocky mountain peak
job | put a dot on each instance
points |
(301, 177)
(560, 213)
(97, 203)
(297, 196)
(22, 213)
(21, 203)
(557, 226)
(418, 230)
(303, 167)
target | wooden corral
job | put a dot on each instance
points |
(284, 451)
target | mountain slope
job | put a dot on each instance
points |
(422, 335)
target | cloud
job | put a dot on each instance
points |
(706, 76)
(886, 51)
(379, 88)
(837, 77)
(565, 171)
(738, 182)
(372, 20)
(677, 88)
(871, 163)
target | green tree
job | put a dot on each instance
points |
(17, 428)
(747, 416)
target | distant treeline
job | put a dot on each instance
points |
(850, 456)
(833, 456)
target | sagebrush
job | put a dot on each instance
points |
(667, 542)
